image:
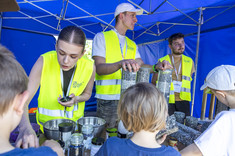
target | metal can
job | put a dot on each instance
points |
(172, 141)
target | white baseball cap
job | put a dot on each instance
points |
(127, 7)
(220, 78)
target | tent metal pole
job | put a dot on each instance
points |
(158, 7)
(65, 8)
(219, 13)
(182, 12)
(41, 9)
(81, 17)
(174, 24)
(89, 14)
(200, 22)
(35, 1)
(138, 6)
(82, 27)
(30, 31)
(0, 25)
(109, 24)
(146, 29)
(178, 23)
(37, 20)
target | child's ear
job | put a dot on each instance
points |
(220, 93)
(20, 102)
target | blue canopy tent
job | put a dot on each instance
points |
(29, 32)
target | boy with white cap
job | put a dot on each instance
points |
(219, 138)
(113, 51)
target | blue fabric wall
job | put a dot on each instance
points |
(216, 48)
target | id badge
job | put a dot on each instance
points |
(177, 86)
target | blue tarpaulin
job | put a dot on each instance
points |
(29, 32)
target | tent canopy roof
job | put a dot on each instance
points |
(50, 16)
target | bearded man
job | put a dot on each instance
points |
(180, 94)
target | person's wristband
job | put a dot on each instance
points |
(154, 69)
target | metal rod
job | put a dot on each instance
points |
(26, 17)
(36, 1)
(66, 8)
(82, 28)
(219, 13)
(150, 5)
(84, 25)
(164, 31)
(174, 24)
(108, 24)
(138, 6)
(215, 7)
(182, 12)
(178, 23)
(146, 29)
(90, 14)
(161, 12)
(158, 7)
(61, 12)
(41, 9)
(212, 105)
(74, 18)
(30, 31)
(37, 20)
(0, 25)
(196, 58)
(203, 109)
(141, 2)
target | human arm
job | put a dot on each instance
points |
(27, 137)
(55, 146)
(86, 94)
(159, 66)
(191, 150)
(103, 68)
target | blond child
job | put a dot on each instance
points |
(13, 95)
(143, 110)
(219, 138)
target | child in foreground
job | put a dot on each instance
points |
(219, 138)
(13, 95)
(143, 110)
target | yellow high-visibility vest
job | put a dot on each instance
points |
(108, 87)
(51, 89)
(185, 93)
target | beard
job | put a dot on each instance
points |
(178, 52)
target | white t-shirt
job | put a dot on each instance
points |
(219, 138)
(98, 46)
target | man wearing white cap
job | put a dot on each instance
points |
(219, 138)
(113, 51)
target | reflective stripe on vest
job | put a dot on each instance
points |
(108, 82)
(185, 93)
(50, 89)
(108, 87)
(58, 113)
